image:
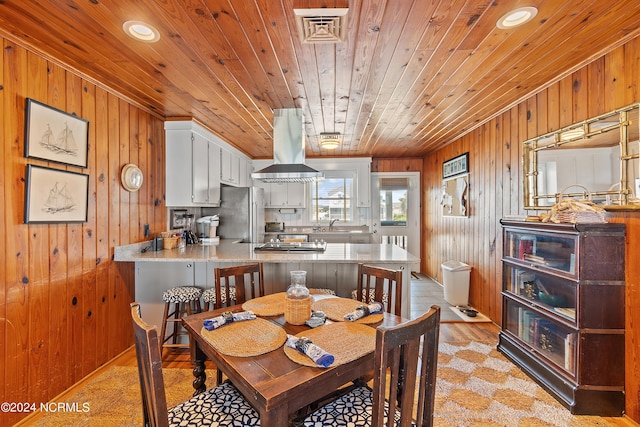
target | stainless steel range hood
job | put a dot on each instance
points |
(288, 150)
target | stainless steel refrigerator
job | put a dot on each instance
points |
(241, 214)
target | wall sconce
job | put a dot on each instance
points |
(329, 140)
(131, 177)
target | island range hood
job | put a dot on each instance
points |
(288, 150)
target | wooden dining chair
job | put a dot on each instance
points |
(229, 292)
(223, 405)
(371, 287)
(230, 289)
(405, 365)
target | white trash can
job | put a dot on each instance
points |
(455, 278)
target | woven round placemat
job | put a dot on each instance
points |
(268, 305)
(247, 338)
(346, 341)
(337, 308)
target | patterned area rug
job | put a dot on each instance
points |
(476, 386)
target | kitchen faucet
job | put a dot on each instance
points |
(332, 221)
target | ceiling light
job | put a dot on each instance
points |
(329, 140)
(141, 31)
(517, 17)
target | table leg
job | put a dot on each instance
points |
(198, 357)
(275, 417)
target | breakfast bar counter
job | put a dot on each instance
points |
(229, 252)
(334, 269)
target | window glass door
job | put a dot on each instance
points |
(395, 208)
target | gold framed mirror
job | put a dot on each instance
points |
(600, 155)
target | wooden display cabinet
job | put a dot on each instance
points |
(563, 311)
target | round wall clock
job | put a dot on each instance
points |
(131, 177)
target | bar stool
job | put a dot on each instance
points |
(209, 297)
(186, 300)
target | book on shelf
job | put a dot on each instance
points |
(534, 258)
(569, 351)
(566, 311)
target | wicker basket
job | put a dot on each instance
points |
(171, 242)
(297, 311)
(578, 211)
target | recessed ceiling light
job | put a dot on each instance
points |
(517, 17)
(141, 31)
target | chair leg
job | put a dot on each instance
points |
(176, 316)
(164, 325)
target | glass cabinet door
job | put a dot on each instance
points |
(555, 294)
(547, 338)
(556, 252)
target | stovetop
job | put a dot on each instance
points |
(292, 246)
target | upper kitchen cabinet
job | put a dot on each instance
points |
(285, 195)
(229, 167)
(364, 184)
(235, 168)
(197, 163)
(192, 165)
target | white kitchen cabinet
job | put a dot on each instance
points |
(285, 195)
(192, 166)
(230, 167)
(245, 172)
(364, 184)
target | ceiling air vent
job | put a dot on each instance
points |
(327, 25)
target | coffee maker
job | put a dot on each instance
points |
(189, 235)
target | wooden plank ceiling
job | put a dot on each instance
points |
(411, 77)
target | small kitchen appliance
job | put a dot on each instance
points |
(207, 226)
(189, 235)
(274, 227)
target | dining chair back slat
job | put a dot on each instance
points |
(371, 287)
(222, 405)
(407, 352)
(237, 277)
(403, 393)
(149, 359)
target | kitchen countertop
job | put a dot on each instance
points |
(227, 251)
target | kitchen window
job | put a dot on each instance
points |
(333, 197)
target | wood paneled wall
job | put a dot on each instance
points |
(407, 164)
(496, 188)
(64, 304)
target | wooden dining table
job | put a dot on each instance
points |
(272, 383)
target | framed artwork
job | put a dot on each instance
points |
(54, 196)
(456, 166)
(51, 134)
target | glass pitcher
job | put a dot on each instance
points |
(298, 301)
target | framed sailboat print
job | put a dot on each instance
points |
(54, 195)
(54, 135)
